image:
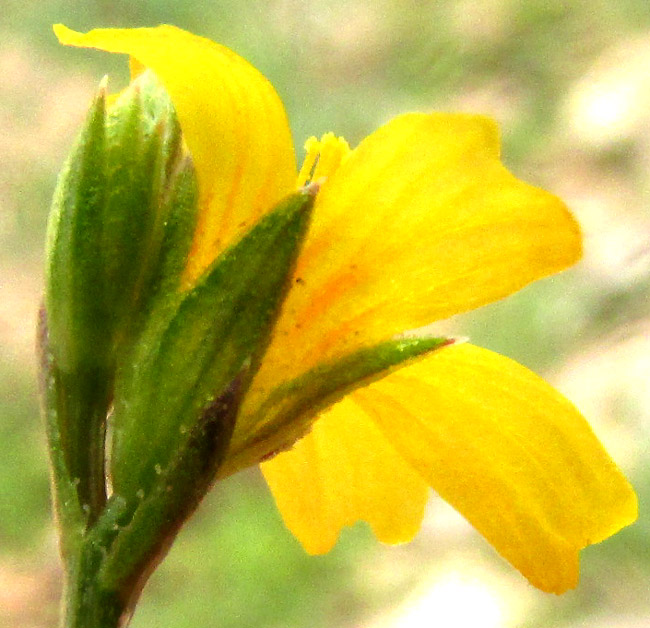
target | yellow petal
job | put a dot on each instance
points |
(507, 451)
(342, 472)
(420, 222)
(233, 122)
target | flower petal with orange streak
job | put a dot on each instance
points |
(420, 222)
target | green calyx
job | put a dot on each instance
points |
(177, 394)
(128, 353)
(113, 229)
(196, 347)
(120, 334)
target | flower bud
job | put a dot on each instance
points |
(107, 224)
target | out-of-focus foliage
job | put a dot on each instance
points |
(568, 83)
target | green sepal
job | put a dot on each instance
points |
(145, 536)
(180, 208)
(74, 328)
(132, 224)
(288, 412)
(191, 351)
(152, 182)
(76, 318)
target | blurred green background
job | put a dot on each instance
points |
(569, 83)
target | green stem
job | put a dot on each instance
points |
(89, 601)
(86, 603)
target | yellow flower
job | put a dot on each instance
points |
(419, 222)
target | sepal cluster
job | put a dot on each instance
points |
(129, 350)
(113, 224)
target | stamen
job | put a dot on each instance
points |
(323, 158)
(312, 146)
